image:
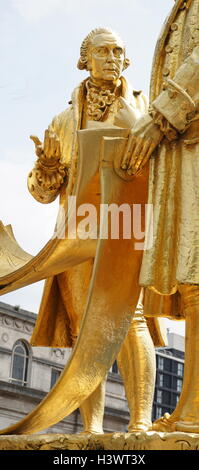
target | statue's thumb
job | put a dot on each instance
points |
(35, 140)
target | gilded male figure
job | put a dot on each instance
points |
(104, 99)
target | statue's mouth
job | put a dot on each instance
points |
(110, 67)
(112, 70)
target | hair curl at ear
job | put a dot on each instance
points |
(127, 62)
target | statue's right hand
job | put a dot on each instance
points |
(49, 152)
(49, 171)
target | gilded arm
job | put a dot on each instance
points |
(171, 112)
(179, 102)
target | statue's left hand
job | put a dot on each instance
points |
(143, 139)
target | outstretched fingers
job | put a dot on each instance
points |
(51, 145)
(46, 143)
(57, 148)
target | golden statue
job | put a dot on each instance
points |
(168, 134)
(170, 131)
(102, 110)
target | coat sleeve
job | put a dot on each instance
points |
(179, 102)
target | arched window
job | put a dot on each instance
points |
(19, 366)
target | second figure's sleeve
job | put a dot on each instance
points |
(179, 102)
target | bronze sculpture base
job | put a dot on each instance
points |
(116, 441)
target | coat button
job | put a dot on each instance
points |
(166, 72)
(174, 27)
(183, 6)
(169, 49)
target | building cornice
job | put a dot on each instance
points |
(18, 320)
(17, 312)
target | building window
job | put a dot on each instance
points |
(180, 369)
(167, 381)
(158, 412)
(114, 368)
(167, 364)
(179, 385)
(55, 373)
(19, 367)
(160, 380)
(160, 363)
(166, 399)
(159, 396)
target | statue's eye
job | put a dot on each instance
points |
(101, 51)
(117, 51)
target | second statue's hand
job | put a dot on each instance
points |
(143, 139)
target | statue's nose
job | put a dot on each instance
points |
(110, 56)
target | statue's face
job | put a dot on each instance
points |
(106, 57)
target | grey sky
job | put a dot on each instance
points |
(40, 42)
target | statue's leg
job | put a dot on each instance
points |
(136, 362)
(74, 285)
(92, 410)
(186, 415)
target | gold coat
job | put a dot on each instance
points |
(65, 294)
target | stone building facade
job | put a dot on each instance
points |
(27, 374)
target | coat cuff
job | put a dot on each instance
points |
(179, 101)
(36, 190)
